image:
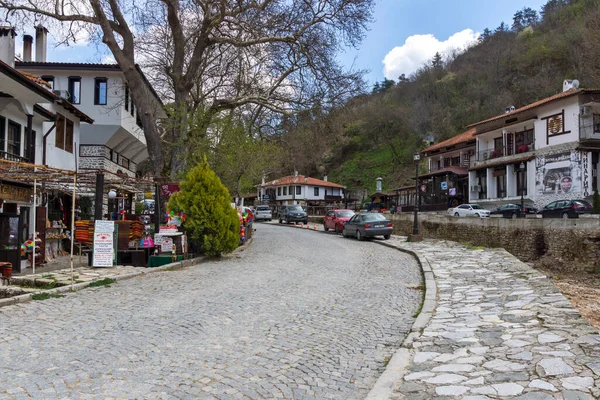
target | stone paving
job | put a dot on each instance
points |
(295, 315)
(500, 330)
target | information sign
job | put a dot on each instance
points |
(103, 244)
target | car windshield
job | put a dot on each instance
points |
(263, 208)
(344, 214)
(295, 208)
(373, 217)
(477, 207)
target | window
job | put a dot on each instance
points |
(14, 138)
(498, 145)
(298, 189)
(49, 79)
(501, 186)
(75, 89)
(285, 190)
(482, 183)
(64, 133)
(555, 125)
(596, 123)
(316, 191)
(2, 134)
(279, 191)
(523, 141)
(521, 180)
(126, 98)
(100, 91)
(291, 190)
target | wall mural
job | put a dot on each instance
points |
(559, 173)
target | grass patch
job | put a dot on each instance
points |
(470, 246)
(45, 296)
(102, 282)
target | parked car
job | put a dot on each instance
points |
(513, 210)
(293, 213)
(263, 213)
(336, 219)
(566, 209)
(469, 210)
(368, 225)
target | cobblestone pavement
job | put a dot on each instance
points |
(501, 330)
(295, 315)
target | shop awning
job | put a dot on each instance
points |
(446, 171)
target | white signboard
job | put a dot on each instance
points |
(167, 245)
(103, 244)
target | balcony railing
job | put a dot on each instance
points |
(12, 157)
(490, 154)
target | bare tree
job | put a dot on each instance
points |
(217, 55)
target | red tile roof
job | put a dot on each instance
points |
(301, 180)
(458, 139)
(558, 96)
(36, 79)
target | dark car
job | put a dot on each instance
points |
(336, 219)
(566, 209)
(513, 210)
(368, 225)
(293, 213)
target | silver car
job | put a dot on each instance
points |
(263, 213)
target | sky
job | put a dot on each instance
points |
(404, 35)
(407, 33)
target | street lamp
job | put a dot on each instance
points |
(415, 237)
(522, 172)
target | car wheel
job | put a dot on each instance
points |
(565, 215)
(359, 235)
(325, 228)
(344, 234)
(280, 221)
(386, 237)
(477, 215)
(514, 216)
(456, 214)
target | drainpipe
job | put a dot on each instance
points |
(44, 143)
(28, 152)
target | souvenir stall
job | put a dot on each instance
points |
(170, 243)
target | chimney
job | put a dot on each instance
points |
(570, 84)
(378, 188)
(295, 173)
(263, 180)
(7, 45)
(41, 39)
(325, 178)
(27, 47)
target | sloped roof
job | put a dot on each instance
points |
(301, 180)
(444, 171)
(36, 79)
(458, 139)
(558, 96)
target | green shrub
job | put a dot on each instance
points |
(210, 218)
(596, 202)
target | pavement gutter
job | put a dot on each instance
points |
(398, 364)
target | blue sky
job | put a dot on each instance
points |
(409, 32)
(397, 20)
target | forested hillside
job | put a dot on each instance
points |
(514, 64)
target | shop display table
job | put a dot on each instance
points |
(164, 259)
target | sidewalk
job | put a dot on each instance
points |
(499, 330)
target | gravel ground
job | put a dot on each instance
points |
(294, 315)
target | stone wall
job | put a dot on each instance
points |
(572, 244)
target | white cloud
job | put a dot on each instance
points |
(418, 49)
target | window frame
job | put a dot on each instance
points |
(49, 79)
(2, 133)
(20, 135)
(316, 191)
(65, 131)
(98, 81)
(279, 191)
(551, 117)
(285, 190)
(298, 189)
(71, 86)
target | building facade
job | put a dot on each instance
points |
(300, 189)
(542, 152)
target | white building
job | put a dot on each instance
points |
(556, 140)
(300, 189)
(116, 141)
(36, 127)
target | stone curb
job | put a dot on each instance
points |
(398, 364)
(82, 285)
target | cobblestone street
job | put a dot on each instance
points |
(295, 315)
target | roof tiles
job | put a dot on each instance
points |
(301, 180)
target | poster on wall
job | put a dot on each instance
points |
(559, 173)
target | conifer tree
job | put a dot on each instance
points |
(211, 221)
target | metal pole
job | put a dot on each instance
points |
(522, 189)
(34, 222)
(415, 222)
(73, 226)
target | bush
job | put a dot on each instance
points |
(210, 218)
(596, 202)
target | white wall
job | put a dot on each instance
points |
(307, 193)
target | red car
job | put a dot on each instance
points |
(336, 219)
